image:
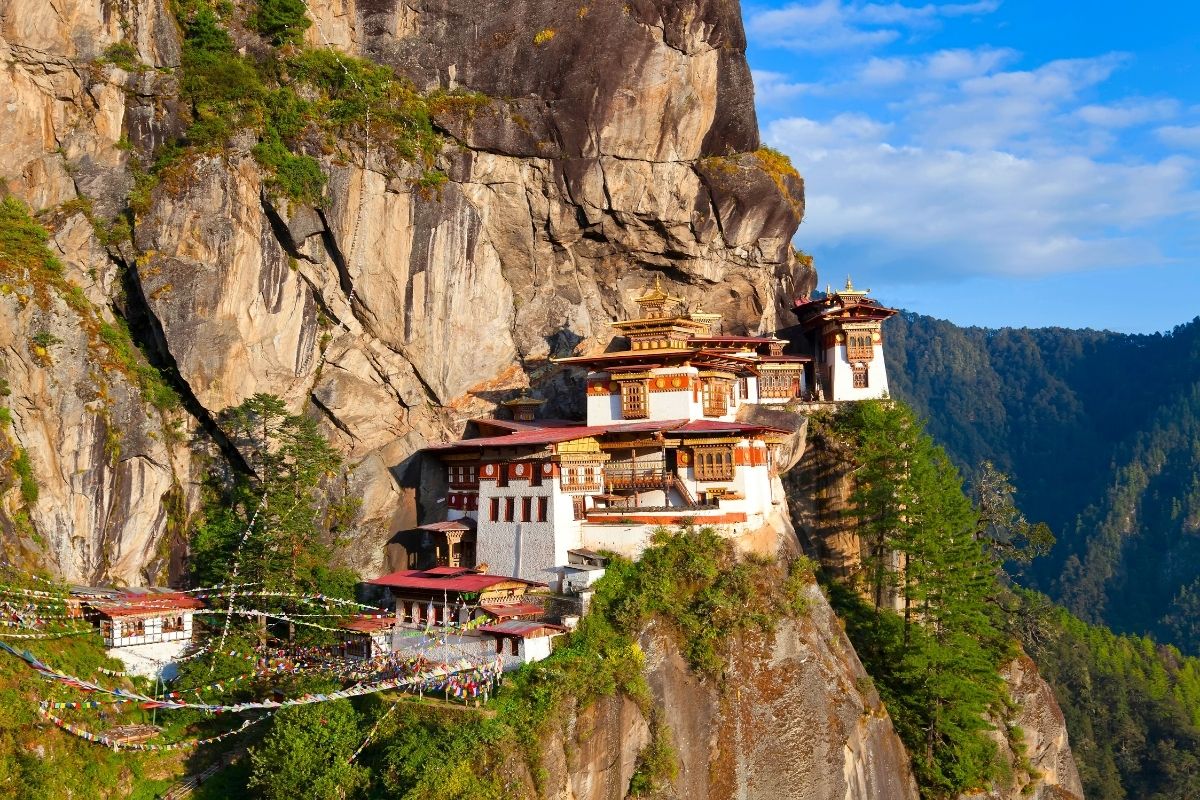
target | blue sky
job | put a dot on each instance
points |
(999, 162)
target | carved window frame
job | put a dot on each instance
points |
(635, 400)
(715, 397)
(713, 463)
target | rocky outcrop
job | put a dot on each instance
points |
(1043, 766)
(612, 142)
(794, 716)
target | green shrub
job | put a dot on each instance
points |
(122, 54)
(24, 470)
(280, 21)
(306, 754)
(297, 177)
(45, 339)
(126, 357)
(6, 418)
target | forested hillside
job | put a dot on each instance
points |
(1100, 433)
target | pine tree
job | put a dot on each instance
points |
(288, 546)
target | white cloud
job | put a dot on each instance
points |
(938, 67)
(829, 25)
(1128, 113)
(774, 88)
(932, 210)
(1018, 109)
(1183, 136)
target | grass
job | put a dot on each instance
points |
(299, 102)
(779, 167)
(24, 251)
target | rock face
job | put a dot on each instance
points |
(1052, 773)
(796, 717)
(617, 141)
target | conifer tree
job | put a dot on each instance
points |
(287, 547)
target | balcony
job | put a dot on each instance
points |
(651, 476)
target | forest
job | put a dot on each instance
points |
(1100, 434)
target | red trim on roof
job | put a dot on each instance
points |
(130, 605)
(370, 624)
(737, 339)
(510, 610)
(715, 426)
(525, 630)
(432, 579)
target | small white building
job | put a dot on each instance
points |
(845, 330)
(529, 641)
(140, 618)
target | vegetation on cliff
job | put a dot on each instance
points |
(690, 580)
(273, 522)
(1043, 405)
(920, 610)
(300, 103)
(41, 764)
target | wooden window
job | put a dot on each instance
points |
(860, 346)
(535, 477)
(778, 383)
(713, 463)
(579, 508)
(860, 376)
(173, 624)
(495, 515)
(716, 397)
(526, 509)
(510, 508)
(633, 400)
(543, 508)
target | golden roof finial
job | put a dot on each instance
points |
(849, 283)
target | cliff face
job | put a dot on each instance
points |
(616, 141)
(796, 717)
(819, 490)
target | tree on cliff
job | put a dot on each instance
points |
(936, 663)
(275, 521)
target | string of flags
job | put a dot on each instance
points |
(434, 679)
(118, 745)
(47, 634)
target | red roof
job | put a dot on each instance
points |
(540, 438)
(736, 339)
(528, 438)
(522, 628)
(445, 578)
(511, 610)
(462, 524)
(149, 604)
(370, 624)
(715, 426)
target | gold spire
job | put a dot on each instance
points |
(657, 303)
(851, 291)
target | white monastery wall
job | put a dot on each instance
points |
(843, 375)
